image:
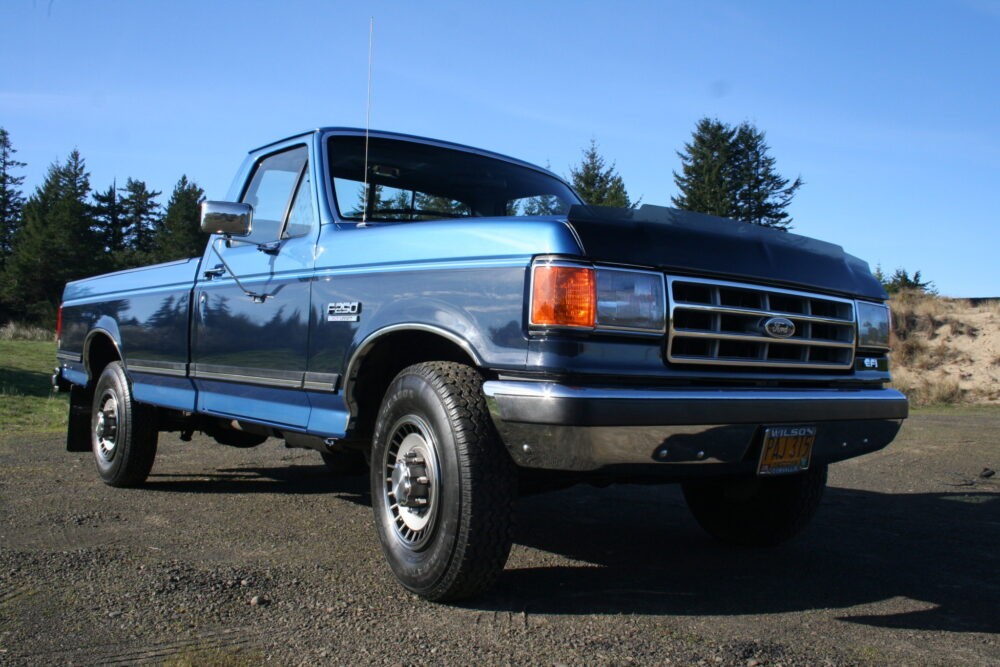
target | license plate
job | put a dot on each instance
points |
(786, 449)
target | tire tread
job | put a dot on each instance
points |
(487, 487)
(138, 451)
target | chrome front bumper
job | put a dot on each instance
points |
(559, 427)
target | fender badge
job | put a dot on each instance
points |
(779, 327)
(343, 311)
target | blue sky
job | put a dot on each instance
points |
(890, 111)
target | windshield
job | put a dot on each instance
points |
(409, 181)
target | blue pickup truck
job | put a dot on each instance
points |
(458, 323)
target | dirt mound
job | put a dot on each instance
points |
(946, 350)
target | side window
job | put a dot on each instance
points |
(388, 203)
(270, 190)
(300, 219)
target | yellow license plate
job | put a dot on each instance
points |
(787, 449)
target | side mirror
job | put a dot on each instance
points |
(229, 218)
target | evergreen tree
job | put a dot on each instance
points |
(11, 198)
(728, 171)
(55, 245)
(761, 194)
(902, 281)
(140, 219)
(180, 234)
(706, 177)
(597, 182)
(108, 223)
(879, 274)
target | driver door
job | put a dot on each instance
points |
(249, 352)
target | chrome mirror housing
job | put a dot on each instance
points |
(229, 218)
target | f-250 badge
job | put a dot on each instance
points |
(343, 311)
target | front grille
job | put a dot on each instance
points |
(722, 323)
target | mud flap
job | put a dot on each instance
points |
(78, 428)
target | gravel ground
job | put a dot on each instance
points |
(237, 557)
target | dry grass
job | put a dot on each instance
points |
(915, 313)
(945, 350)
(19, 331)
(909, 351)
(924, 391)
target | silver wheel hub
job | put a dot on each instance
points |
(106, 428)
(411, 482)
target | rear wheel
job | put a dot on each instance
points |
(755, 511)
(122, 432)
(442, 483)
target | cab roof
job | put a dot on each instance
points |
(407, 137)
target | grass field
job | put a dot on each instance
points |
(27, 403)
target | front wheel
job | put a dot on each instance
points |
(442, 483)
(756, 511)
(122, 431)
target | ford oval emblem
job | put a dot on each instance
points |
(779, 327)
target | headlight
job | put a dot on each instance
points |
(630, 300)
(579, 296)
(873, 324)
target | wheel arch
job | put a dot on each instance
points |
(383, 354)
(100, 348)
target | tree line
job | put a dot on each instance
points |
(726, 170)
(66, 230)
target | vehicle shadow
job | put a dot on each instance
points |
(635, 549)
(26, 383)
(638, 551)
(290, 480)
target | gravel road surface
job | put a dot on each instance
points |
(236, 557)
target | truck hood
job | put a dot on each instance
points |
(683, 242)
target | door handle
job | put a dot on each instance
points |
(216, 272)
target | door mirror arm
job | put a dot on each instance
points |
(270, 248)
(257, 297)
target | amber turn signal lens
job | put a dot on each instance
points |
(563, 296)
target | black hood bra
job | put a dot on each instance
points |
(683, 242)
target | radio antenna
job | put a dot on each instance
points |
(368, 116)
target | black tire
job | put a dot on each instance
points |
(122, 432)
(754, 511)
(345, 463)
(435, 424)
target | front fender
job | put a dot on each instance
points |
(432, 315)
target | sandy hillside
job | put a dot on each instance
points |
(946, 350)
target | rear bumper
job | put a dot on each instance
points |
(681, 432)
(59, 383)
